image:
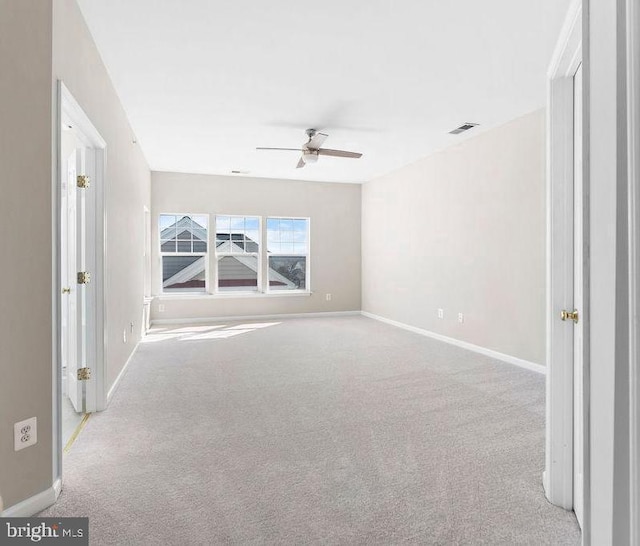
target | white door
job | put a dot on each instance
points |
(72, 252)
(578, 334)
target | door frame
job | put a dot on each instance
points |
(558, 475)
(633, 143)
(68, 110)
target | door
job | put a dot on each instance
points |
(72, 261)
(578, 283)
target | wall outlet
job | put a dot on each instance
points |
(161, 308)
(440, 313)
(460, 318)
(328, 297)
(25, 433)
(124, 335)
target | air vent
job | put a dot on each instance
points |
(463, 128)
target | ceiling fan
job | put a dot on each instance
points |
(311, 149)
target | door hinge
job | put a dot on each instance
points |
(84, 374)
(569, 315)
(83, 181)
(84, 277)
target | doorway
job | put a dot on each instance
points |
(566, 476)
(79, 255)
(73, 308)
(578, 302)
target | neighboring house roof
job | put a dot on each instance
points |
(240, 271)
(235, 245)
(186, 269)
(185, 224)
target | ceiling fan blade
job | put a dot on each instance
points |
(285, 149)
(316, 141)
(339, 153)
(300, 164)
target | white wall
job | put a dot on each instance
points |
(76, 61)
(39, 43)
(334, 212)
(464, 230)
(25, 277)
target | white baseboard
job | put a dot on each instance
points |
(469, 346)
(31, 506)
(205, 320)
(114, 387)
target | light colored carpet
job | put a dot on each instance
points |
(314, 431)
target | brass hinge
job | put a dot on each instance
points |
(569, 315)
(83, 181)
(84, 374)
(84, 277)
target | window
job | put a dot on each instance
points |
(238, 253)
(288, 253)
(183, 250)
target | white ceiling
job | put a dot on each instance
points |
(204, 82)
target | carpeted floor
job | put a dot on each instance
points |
(314, 431)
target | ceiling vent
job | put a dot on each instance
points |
(463, 128)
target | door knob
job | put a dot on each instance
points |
(569, 315)
(66, 290)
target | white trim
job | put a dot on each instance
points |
(31, 506)
(71, 113)
(633, 127)
(56, 350)
(217, 256)
(568, 52)
(206, 255)
(205, 320)
(558, 475)
(67, 110)
(57, 488)
(463, 344)
(123, 371)
(100, 256)
(233, 294)
(306, 256)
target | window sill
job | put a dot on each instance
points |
(223, 296)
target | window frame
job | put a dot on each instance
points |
(205, 255)
(258, 255)
(307, 255)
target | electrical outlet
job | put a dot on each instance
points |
(25, 433)
(161, 308)
(460, 318)
(124, 335)
(440, 313)
(328, 297)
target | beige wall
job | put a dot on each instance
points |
(334, 210)
(25, 278)
(77, 63)
(39, 43)
(464, 230)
